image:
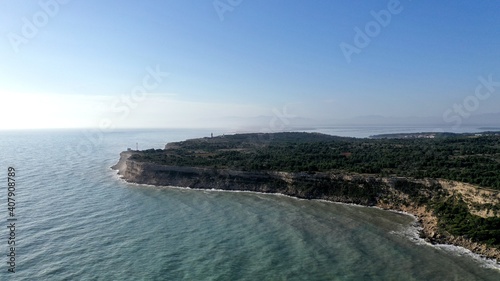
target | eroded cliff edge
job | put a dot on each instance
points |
(415, 196)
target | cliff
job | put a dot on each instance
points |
(417, 197)
(349, 188)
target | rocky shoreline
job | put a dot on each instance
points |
(430, 232)
(367, 190)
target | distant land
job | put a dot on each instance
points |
(450, 182)
(488, 121)
(432, 135)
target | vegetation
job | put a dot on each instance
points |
(454, 217)
(464, 158)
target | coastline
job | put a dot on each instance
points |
(415, 229)
(144, 174)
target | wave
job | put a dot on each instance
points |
(413, 231)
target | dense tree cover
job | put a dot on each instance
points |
(463, 158)
(454, 217)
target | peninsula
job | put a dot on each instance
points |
(450, 182)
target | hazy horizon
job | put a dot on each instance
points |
(244, 64)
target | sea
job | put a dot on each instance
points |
(72, 218)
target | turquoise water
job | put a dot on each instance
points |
(78, 221)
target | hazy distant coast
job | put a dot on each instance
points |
(430, 200)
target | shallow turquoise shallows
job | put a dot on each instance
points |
(78, 221)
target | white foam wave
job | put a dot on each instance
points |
(413, 234)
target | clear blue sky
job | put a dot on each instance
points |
(256, 57)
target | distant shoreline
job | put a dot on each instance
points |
(431, 135)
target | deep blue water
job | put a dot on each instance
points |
(78, 221)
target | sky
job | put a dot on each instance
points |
(216, 63)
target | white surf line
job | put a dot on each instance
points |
(412, 235)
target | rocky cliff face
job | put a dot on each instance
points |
(401, 194)
(346, 188)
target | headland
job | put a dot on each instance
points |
(449, 182)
